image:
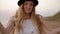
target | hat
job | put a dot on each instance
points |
(22, 1)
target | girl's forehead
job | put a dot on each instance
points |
(28, 1)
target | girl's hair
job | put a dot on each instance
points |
(35, 19)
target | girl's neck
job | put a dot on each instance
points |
(27, 16)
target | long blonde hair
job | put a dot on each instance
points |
(34, 17)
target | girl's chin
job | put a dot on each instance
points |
(28, 12)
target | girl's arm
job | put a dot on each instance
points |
(10, 26)
(46, 30)
(44, 27)
(8, 29)
(55, 31)
(2, 29)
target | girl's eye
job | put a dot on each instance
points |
(25, 3)
(31, 4)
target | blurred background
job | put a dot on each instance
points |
(49, 9)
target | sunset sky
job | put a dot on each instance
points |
(45, 8)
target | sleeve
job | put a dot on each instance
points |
(12, 20)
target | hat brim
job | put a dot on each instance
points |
(21, 2)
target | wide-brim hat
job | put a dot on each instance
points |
(22, 1)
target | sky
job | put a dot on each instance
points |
(45, 8)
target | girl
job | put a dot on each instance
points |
(26, 21)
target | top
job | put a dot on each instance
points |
(27, 27)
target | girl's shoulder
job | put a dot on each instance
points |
(38, 15)
(13, 17)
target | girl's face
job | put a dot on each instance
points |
(28, 6)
